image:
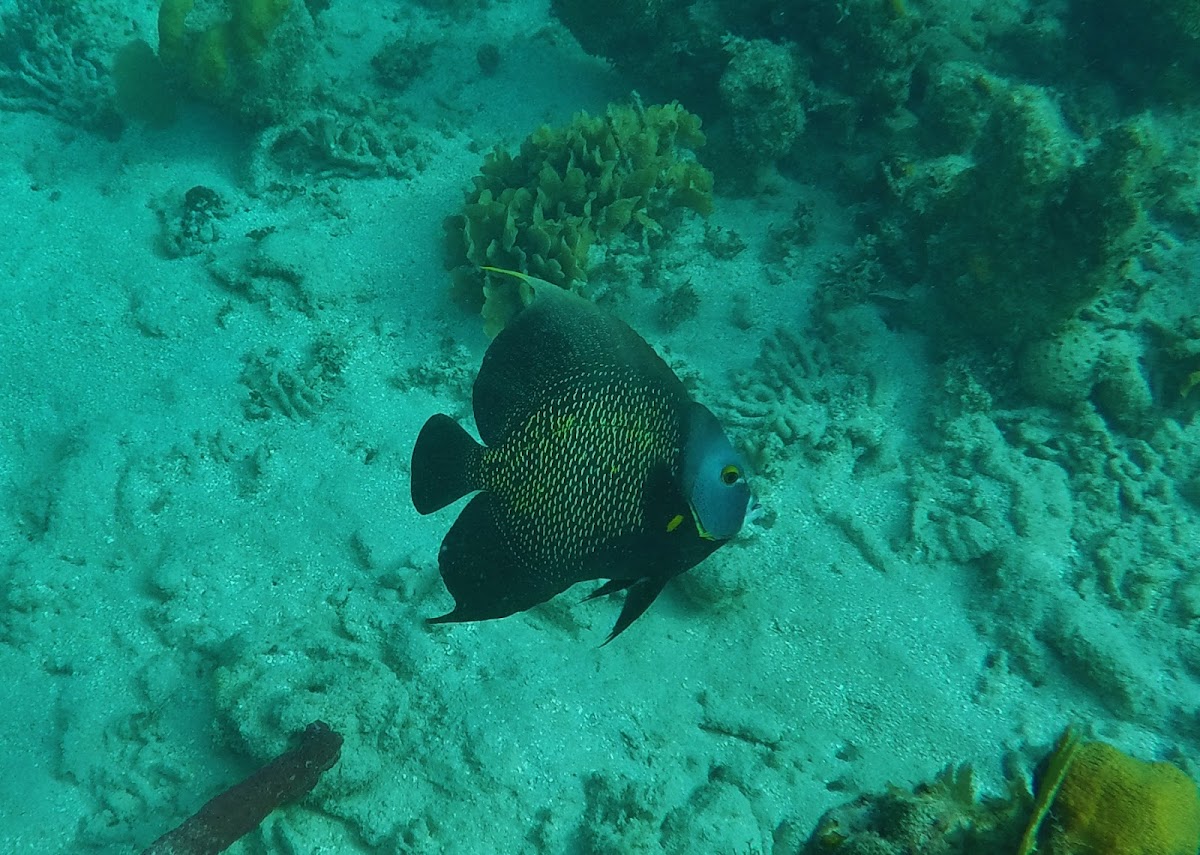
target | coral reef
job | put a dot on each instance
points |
(1018, 188)
(1027, 225)
(541, 211)
(1017, 191)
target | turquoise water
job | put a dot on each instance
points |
(941, 293)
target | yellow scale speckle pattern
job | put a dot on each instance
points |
(572, 478)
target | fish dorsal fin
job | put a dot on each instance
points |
(556, 335)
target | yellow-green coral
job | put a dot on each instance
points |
(172, 30)
(207, 60)
(541, 211)
(1101, 801)
(252, 23)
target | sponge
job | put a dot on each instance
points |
(1105, 802)
(1113, 804)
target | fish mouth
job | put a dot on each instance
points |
(754, 513)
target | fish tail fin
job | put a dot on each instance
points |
(443, 464)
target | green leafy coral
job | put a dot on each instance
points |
(570, 188)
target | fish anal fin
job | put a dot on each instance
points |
(483, 573)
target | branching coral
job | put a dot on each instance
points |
(51, 62)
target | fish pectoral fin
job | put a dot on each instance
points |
(641, 594)
(610, 587)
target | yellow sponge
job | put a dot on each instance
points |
(1109, 803)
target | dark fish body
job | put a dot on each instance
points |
(587, 462)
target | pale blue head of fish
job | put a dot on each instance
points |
(714, 477)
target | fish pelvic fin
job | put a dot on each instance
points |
(641, 594)
(609, 587)
(443, 464)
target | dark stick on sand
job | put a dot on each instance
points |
(242, 807)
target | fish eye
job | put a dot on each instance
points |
(730, 475)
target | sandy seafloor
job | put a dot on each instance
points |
(202, 551)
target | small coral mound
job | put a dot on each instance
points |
(570, 188)
(939, 818)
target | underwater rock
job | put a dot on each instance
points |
(717, 818)
(763, 88)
